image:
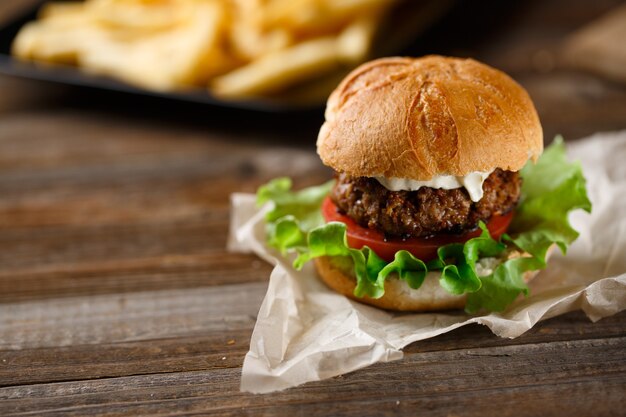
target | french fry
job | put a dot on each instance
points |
(277, 70)
(61, 9)
(250, 43)
(58, 39)
(313, 17)
(163, 61)
(141, 15)
(355, 40)
(236, 47)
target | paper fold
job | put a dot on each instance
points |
(307, 332)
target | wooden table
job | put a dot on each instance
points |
(117, 296)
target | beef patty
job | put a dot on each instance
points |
(426, 211)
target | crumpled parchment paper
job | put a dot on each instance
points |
(307, 332)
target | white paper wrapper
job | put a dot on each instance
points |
(306, 332)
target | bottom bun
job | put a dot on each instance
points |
(339, 275)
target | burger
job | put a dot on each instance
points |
(441, 198)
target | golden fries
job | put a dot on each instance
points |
(238, 48)
(165, 60)
(61, 9)
(284, 67)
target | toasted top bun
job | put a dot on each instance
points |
(398, 295)
(420, 118)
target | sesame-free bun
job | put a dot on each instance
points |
(430, 296)
(417, 118)
(398, 295)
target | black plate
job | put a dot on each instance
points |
(408, 26)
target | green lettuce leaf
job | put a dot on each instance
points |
(551, 189)
(458, 262)
(408, 268)
(293, 214)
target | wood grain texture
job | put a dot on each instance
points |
(118, 298)
(435, 378)
(200, 343)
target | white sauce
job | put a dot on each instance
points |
(473, 183)
(486, 266)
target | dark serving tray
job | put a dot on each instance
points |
(408, 26)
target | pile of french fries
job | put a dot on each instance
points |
(236, 48)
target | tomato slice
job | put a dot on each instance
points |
(422, 248)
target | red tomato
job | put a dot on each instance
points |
(422, 248)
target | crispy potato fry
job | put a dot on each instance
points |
(279, 69)
(355, 40)
(165, 60)
(315, 17)
(61, 9)
(59, 39)
(236, 47)
(146, 15)
(249, 43)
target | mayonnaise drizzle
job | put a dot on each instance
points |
(472, 182)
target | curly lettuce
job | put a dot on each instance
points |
(551, 189)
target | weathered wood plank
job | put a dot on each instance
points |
(123, 211)
(119, 276)
(129, 317)
(562, 399)
(210, 349)
(576, 105)
(596, 368)
(206, 350)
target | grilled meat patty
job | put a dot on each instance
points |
(427, 211)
